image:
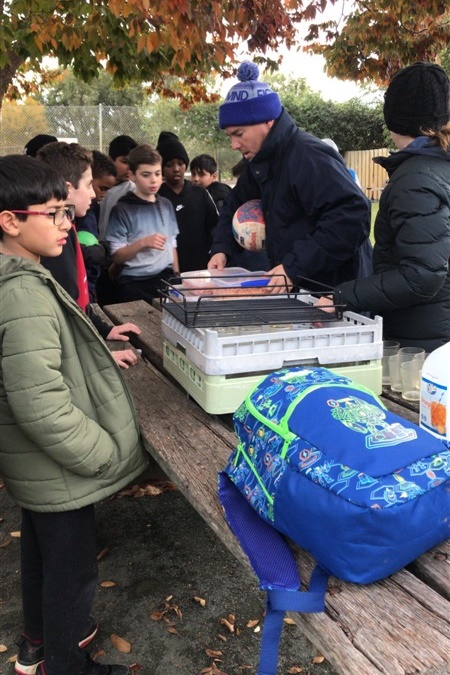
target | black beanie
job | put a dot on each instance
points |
(35, 144)
(170, 147)
(417, 98)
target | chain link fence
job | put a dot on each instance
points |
(94, 127)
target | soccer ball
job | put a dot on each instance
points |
(249, 227)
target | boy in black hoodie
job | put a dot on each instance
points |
(194, 207)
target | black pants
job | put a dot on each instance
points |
(144, 288)
(59, 576)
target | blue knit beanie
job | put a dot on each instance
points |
(249, 102)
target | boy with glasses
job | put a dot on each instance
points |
(69, 434)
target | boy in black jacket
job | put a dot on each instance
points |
(204, 173)
(194, 207)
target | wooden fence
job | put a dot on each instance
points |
(371, 176)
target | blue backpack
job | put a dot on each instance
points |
(321, 460)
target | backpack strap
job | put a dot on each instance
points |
(274, 564)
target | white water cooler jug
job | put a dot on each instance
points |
(434, 393)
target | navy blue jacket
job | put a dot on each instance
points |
(317, 219)
(410, 287)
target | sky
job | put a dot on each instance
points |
(311, 67)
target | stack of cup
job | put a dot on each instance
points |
(405, 369)
(390, 348)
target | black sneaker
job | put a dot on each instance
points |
(93, 668)
(31, 652)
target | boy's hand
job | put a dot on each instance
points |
(125, 358)
(118, 332)
(155, 241)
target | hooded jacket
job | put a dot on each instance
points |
(317, 219)
(69, 435)
(410, 287)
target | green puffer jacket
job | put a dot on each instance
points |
(68, 435)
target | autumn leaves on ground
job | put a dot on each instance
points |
(171, 599)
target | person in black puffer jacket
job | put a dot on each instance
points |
(410, 287)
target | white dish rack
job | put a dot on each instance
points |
(233, 350)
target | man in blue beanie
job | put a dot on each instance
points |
(317, 219)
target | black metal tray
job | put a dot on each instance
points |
(200, 311)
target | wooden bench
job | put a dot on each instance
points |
(399, 626)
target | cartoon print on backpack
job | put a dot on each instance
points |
(365, 418)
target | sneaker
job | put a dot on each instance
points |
(31, 652)
(93, 668)
(30, 655)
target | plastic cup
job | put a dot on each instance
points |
(410, 374)
(390, 347)
(415, 352)
(394, 369)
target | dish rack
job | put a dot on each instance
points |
(218, 365)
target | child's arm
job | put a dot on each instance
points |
(176, 265)
(125, 253)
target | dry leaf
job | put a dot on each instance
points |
(173, 630)
(289, 621)
(108, 584)
(6, 542)
(157, 616)
(98, 654)
(257, 629)
(294, 670)
(201, 601)
(226, 623)
(102, 553)
(231, 618)
(318, 659)
(169, 598)
(212, 670)
(120, 644)
(3, 648)
(222, 637)
(12, 659)
(15, 534)
(213, 653)
(252, 623)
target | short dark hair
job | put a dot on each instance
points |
(68, 159)
(102, 165)
(204, 163)
(25, 180)
(121, 146)
(143, 154)
(37, 142)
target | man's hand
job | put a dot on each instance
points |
(278, 284)
(217, 262)
(125, 358)
(325, 303)
(118, 332)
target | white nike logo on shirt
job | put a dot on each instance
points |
(179, 207)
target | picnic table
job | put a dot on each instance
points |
(399, 625)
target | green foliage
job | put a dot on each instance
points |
(70, 90)
(352, 125)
